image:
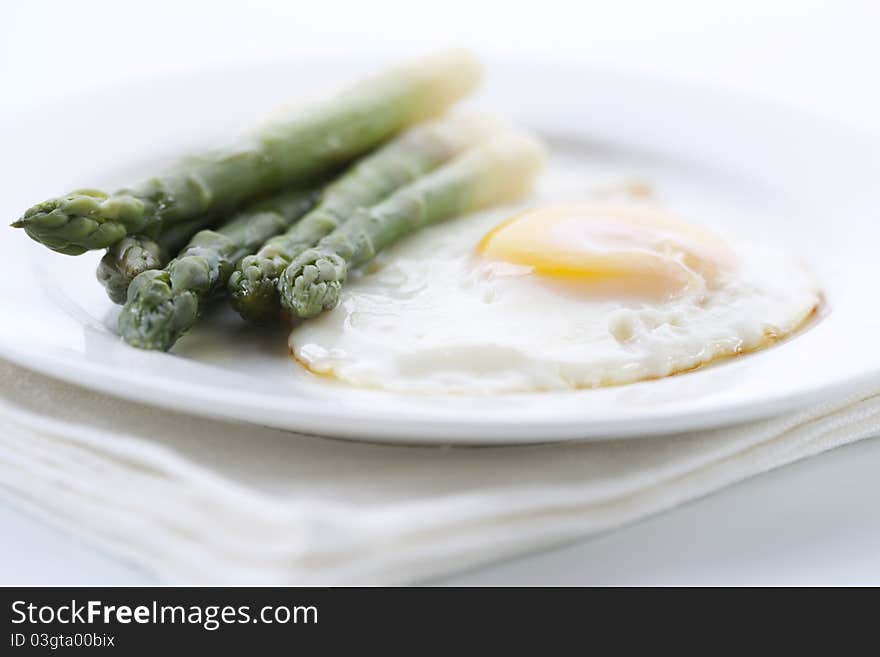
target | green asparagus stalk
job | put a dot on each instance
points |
(253, 286)
(317, 137)
(163, 303)
(495, 172)
(136, 254)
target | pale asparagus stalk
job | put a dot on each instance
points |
(253, 287)
(495, 172)
(315, 138)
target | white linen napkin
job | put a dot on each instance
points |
(209, 502)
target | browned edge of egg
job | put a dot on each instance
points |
(771, 338)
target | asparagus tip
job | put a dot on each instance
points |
(124, 261)
(312, 283)
(82, 220)
(253, 288)
(154, 317)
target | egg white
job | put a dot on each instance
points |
(431, 317)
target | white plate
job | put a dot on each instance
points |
(774, 174)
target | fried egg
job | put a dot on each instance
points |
(555, 298)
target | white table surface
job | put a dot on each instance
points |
(815, 522)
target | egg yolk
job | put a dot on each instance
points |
(603, 249)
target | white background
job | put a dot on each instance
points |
(814, 522)
(810, 52)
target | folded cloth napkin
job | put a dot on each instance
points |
(209, 502)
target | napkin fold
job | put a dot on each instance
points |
(208, 502)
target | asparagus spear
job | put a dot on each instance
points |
(253, 286)
(315, 138)
(135, 254)
(491, 173)
(163, 303)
